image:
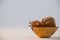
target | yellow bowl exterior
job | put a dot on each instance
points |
(44, 32)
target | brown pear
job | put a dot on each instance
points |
(36, 24)
(50, 24)
(49, 20)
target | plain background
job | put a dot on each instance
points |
(18, 13)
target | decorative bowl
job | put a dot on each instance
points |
(44, 32)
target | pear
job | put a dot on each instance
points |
(48, 21)
(50, 24)
(36, 24)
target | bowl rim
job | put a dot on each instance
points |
(45, 27)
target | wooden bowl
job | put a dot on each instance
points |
(44, 32)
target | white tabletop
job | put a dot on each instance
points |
(24, 34)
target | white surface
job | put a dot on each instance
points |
(24, 34)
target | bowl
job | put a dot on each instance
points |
(44, 32)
